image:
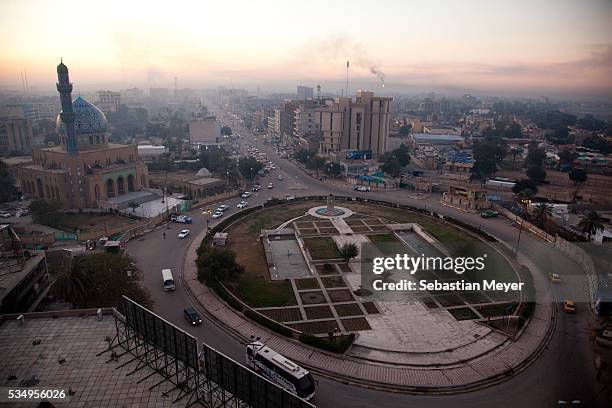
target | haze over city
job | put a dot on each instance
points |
(306, 204)
(517, 48)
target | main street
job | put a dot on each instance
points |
(564, 372)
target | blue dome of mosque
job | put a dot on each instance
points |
(88, 118)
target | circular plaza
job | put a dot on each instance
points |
(299, 280)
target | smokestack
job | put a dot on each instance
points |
(347, 73)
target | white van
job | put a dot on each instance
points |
(168, 280)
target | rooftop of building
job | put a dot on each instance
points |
(438, 137)
(15, 161)
(94, 148)
(60, 350)
(202, 181)
(15, 268)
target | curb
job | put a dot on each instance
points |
(370, 384)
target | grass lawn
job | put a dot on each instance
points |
(463, 313)
(383, 238)
(259, 292)
(308, 283)
(322, 248)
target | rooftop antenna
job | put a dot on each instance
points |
(319, 92)
(22, 83)
(25, 74)
(347, 72)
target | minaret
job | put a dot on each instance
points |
(64, 87)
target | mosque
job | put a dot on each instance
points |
(85, 170)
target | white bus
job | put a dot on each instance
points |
(168, 280)
(275, 367)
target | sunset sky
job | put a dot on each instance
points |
(533, 47)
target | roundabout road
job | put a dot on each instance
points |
(564, 371)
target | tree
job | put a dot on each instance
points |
(218, 264)
(598, 143)
(391, 166)
(591, 223)
(302, 155)
(567, 157)
(226, 131)
(249, 167)
(525, 189)
(349, 251)
(316, 163)
(487, 153)
(541, 213)
(404, 130)
(8, 191)
(578, 176)
(74, 285)
(537, 174)
(333, 169)
(560, 136)
(111, 281)
(46, 212)
(100, 280)
(535, 155)
(515, 151)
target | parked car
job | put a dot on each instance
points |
(217, 214)
(192, 316)
(489, 214)
(554, 278)
(184, 219)
(569, 306)
(183, 233)
(174, 217)
(242, 204)
(270, 185)
(361, 188)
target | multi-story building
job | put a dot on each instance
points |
(204, 131)
(305, 121)
(304, 92)
(84, 171)
(41, 109)
(15, 131)
(132, 95)
(362, 124)
(24, 277)
(109, 101)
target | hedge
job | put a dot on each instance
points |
(340, 345)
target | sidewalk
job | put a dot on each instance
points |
(494, 367)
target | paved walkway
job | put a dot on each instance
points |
(491, 368)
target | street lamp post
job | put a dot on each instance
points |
(518, 240)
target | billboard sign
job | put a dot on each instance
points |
(246, 385)
(359, 155)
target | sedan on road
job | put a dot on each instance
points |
(192, 316)
(183, 234)
(246, 194)
(217, 214)
(241, 204)
(270, 185)
(256, 187)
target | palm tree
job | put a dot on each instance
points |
(74, 285)
(349, 250)
(591, 223)
(541, 213)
